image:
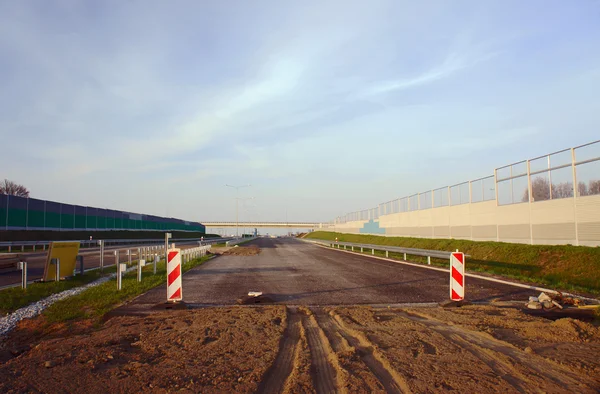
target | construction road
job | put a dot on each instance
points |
(293, 272)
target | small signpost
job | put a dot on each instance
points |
(174, 290)
(457, 276)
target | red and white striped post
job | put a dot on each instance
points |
(174, 290)
(457, 276)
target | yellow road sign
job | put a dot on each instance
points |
(67, 253)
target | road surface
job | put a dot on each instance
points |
(292, 272)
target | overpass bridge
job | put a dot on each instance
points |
(262, 224)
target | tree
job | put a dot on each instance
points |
(540, 188)
(582, 189)
(594, 187)
(13, 189)
(562, 190)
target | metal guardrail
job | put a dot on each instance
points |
(438, 254)
(21, 245)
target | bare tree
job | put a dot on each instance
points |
(540, 188)
(562, 190)
(582, 189)
(13, 189)
(594, 187)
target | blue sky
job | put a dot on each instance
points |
(324, 107)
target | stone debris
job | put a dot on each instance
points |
(534, 305)
(254, 293)
(560, 301)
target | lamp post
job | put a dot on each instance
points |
(248, 217)
(237, 188)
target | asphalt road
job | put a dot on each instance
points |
(293, 272)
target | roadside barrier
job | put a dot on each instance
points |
(457, 276)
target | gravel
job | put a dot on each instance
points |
(9, 322)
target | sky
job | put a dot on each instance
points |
(322, 107)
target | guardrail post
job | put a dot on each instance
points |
(361, 249)
(23, 267)
(373, 251)
(129, 256)
(156, 259)
(428, 260)
(80, 259)
(140, 264)
(101, 243)
(352, 248)
(9, 248)
(119, 278)
(116, 257)
(56, 263)
(404, 256)
(387, 253)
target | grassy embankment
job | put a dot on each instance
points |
(564, 267)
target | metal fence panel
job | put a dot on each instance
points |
(52, 215)
(425, 201)
(17, 212)
(3, 210)
(80, 217)
(67, 217)
(36, 214)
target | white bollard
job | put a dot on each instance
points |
(23, 268)
(141, 263)
(121, 268)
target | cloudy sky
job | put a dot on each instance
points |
(325, 107)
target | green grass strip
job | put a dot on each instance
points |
(15, 297)
(564, 267)
(96, 301)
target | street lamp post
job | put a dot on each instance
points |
(237, 202)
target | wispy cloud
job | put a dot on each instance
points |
(452, 64)
(129, 96)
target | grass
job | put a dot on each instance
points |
(14, 298)
(95, 302)
(564, 267)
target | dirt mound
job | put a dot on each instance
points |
(251, 250)
(342, 349)
(212, 350)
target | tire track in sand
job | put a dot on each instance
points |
(326, 371)
(493, 352)
(391, 380)
(281, 370)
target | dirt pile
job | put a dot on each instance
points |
(251, 250)
(210, 350)
(244, 349)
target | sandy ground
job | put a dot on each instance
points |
(274, 349)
